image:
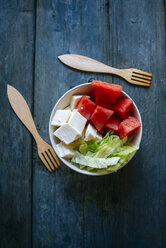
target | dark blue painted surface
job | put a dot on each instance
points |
(16, 68)
(65, 209)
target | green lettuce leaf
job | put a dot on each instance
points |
(94, 162)
(109, 153)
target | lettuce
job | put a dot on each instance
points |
(109, 153)
(94, 162)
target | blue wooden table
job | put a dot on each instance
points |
(66, 209)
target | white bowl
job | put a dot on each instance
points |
(64, 101)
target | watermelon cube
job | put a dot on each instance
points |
(101, 103)
(100, 116)
(128, 126)
(108, 93)
(86, 107)
(122, 107)
(113, 123)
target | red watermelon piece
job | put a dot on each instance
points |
(101, 103)
(86, 107)
(107, 93)
(113, 123)
(128, 126)
(122, 107)
(100, 116)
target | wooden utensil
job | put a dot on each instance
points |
(20, 107)
(83, 63)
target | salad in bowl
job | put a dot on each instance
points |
(95, 128)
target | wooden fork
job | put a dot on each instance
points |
(20, 107)
(83, 63)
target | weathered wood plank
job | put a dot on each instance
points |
(60, 199)
(126, 209)
(16, 68)
(138, 31)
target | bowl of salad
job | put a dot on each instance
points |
(95, 128)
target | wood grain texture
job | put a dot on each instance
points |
(21, 109)
(84, 63)
(142, 209)
(61, 201)
(16, 68)
(125, 209)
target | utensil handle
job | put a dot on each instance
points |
(84, 63)
(22, 110)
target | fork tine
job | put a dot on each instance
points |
(141, 80)
(139, 83)
(45, 162)
(53, 155)
(137, 75)
(48, 160)
(143, 73)
(51, 159)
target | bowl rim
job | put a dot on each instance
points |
(74, 167)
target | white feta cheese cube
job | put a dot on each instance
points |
(90, 133)
(64, 150)
(77, 121)
(60, 117)
(67, 133)
(75, 100)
